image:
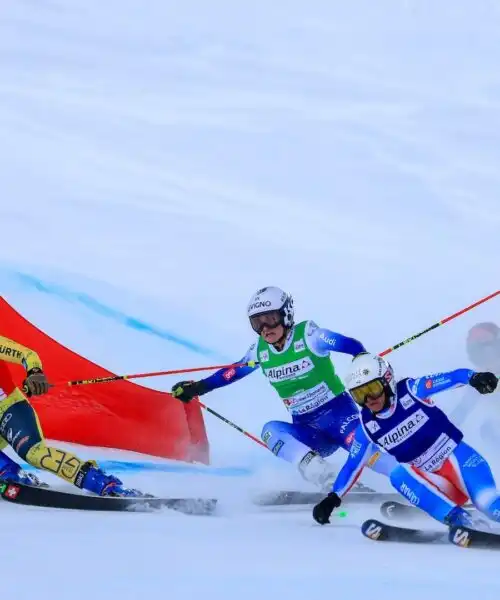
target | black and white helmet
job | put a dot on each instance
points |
(271, 300)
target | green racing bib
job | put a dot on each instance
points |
(303, 380)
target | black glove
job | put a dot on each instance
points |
(484, 383)
(35, 383)
(187, 390)
(323, 510)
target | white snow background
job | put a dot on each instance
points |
(160, 161)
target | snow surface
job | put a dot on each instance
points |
(160, 162)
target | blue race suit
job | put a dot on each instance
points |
(323, 430)
(437, 469)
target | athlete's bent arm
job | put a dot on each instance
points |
(13, 352)
(223, 377)
(428, 385)
(322, 341)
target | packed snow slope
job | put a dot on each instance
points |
(162, 160)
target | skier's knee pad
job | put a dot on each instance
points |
(273, 428)
(274, 435)
(281, 438)
(381, 462)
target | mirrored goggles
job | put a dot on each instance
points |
(271, 319)
(373, 389)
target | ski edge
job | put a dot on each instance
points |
(466, 537)
(376, 530)
(18, 493)
(463, 537)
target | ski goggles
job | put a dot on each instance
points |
(270, 319)
(373, 389)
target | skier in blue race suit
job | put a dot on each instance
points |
(438, 471)
(295, 359)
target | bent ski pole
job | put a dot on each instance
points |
(439, 323)
(152, 374)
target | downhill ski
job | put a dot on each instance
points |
(45, 497)
(376, 530)
(464, 537)
(397, 510)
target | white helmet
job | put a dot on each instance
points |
(370, 374)
(271, 299)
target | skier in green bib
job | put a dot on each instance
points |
(295, 359)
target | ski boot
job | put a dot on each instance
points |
(317, 470)
(95, 480)
(11, 472)
(459, 516)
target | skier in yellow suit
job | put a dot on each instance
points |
(20, 428)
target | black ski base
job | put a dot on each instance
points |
(47, 498)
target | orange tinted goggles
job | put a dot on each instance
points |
(373, 389)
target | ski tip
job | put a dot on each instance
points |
(466, 537)
(460, 536)
(388, 509)
(374, 530)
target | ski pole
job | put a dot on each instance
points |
(385, 352)
(254, 363)
(152, 374)
(204, 406)
(174, 372)
(228, 422)
(439, 323)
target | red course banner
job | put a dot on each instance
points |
(120, 414)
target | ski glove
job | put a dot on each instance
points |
(484, 383)
(35, 383)
(323, 511)
(187, 390)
